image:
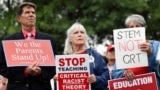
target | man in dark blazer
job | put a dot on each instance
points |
(33, 77)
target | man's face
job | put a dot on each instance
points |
(28, 17)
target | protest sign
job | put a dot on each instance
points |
(127, 51)
(141, 82)
(73, 72)
(27, 52)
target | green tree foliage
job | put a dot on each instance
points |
(99, 17)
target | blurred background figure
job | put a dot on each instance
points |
(3, 83)
(101, 47)
(110, 57)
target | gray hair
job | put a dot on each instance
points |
(136, 18)
(68, 46)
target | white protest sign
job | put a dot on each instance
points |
(158, 54)
(127, 52)
(73, 72)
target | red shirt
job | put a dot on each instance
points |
(84, 52)
(139, 70)
(25, 32)
(33, 33)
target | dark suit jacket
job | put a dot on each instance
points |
(15, 75)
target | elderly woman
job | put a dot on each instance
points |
(77, 43)
(150, 47)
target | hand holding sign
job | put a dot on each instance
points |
(92, 78)
(33, 69)
(129, 75)
(128, 48)
(55, 77)
(145, 46)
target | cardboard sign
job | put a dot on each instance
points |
(27, 52)
(141, 82)
(127, 52)
(73, 72)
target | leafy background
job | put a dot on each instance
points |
(99, 17)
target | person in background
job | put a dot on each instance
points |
(150, 46)
(3, 83)
(77, 43)
(110, 57)
(33, 77)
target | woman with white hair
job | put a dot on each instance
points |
(150, 46)
(135, 20)
(77, 43)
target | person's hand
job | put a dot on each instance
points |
(145, 47)
(55, 77)
(92, 78)
(129, 75)
(33, 69)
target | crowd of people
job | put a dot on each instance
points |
(36, 77)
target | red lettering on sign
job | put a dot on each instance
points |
(128, 45)
(71, 61)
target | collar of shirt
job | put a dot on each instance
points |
(110, 67)
(25, 32)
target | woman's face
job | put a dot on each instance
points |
(133, 25)
(78, 37)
